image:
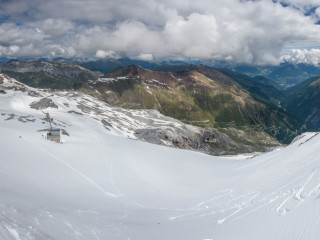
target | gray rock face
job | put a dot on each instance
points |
(170, 136)
(211, 141)
(43, 104)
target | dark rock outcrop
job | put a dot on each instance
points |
(43, 104)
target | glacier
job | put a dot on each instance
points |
(100, 184)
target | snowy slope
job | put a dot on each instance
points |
(99, 184)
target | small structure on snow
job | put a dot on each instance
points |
(53, 134)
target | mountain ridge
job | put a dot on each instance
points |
(192, 97)
(304, 101)
(196, 94)
(48, 74)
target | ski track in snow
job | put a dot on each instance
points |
(86, 178)
(253, 202)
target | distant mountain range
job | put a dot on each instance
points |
(284, 75)
(48, 74)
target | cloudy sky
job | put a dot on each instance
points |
(243, 31)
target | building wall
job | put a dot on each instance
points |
(53, 138)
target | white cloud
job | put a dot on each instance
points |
(127, 38)
(303, 4)
(14, 49)
(25, 40)
(53, 27)
(105, 54)
(317, 12)
(241, 31)
(197, 36)
(306, 56)
(145, 56)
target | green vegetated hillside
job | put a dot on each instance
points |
(304, 101)
(200, 96)
(260, 88)
(53, 75)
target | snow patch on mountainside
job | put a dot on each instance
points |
(120, 121)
